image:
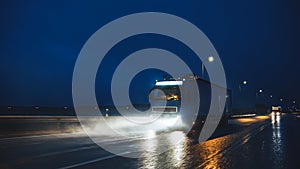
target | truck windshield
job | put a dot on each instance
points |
(165, 93)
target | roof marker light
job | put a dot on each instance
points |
(168, 83)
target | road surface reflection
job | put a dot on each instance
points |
(186, 154)
(277, 141)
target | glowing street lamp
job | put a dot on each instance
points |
(210, 59)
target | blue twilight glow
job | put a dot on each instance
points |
(40, 42)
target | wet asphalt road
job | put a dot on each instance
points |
(246, 143)
(277, 146)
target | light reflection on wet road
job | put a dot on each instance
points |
(270, 144)
(277, 146)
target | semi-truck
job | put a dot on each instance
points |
(166, 98)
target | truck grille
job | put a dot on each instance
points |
(168, 109)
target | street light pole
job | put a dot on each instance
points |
(202, 71)
(260, 93)
(243, 83)
(243, 95)
(210, 59)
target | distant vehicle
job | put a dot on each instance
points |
(276, 109)
(166, 98)
(293, 109)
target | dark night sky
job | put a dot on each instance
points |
(40, 41)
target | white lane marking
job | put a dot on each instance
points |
(57, 134)
(67, 151)
(37, 117)
(95, 160)
(43, 135)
